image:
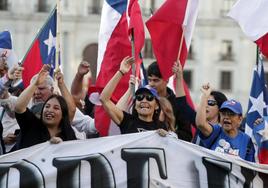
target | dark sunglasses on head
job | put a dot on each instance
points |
(140, 97)
(212, 102)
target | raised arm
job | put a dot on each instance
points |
(178, 72)
(25, 97)
(66, 94)
(77, 84)
(115, 113)
(201, 118)
(123, 102)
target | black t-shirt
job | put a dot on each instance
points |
(33, 131)
(132, 124)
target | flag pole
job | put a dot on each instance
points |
(257, 55)
(181, 42)
(58, 35)
(133, 65)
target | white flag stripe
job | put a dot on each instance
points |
(252, 16)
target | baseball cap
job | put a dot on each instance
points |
(147, 89)
(232, 105)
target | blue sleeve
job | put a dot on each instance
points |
(211, 139)
(250, 156)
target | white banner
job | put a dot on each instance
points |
(139, 160)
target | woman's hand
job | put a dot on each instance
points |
(42, 75)
(206, 90)
(59, 76)
(126, 64)
(162, 132)
(55, 140)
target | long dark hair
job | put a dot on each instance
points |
(66, 131)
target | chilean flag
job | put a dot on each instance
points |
(260, 133)
(252, 17)
(171, 28)
(114, 45)
(42, 50)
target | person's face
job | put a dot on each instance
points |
(42, 93)
(157, 83)
(230, 121)
(212, 109)
(146, 104)
(52, 113)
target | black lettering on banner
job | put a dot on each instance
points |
(264, 178)
(249, 176)
(217, 172)
(29, 174)
(137, 160)
(68, 171)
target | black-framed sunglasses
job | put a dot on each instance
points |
(140, 97)
(212, 102)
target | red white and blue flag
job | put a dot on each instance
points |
(114, 45)
(252, 16)
(171, 28)
(257, 108)
(6, 50)
(42, 50)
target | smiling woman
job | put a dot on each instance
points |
(55, 115)
(224, 136)
(146, 107)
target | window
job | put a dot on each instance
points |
(226, 50)
(187, 76)
(3, 5)
(227, 5)
(226, 80)
(95, 7)
(90, 55)
(148, 50)
(190, 52)
(42, 6)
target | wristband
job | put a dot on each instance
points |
(121, 72)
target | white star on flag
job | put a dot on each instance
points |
(50, 42)
(264, 132)
(258, 104)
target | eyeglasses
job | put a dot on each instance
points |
(228, 113)
(140, 97)
(212, 102)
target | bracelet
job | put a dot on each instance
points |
(121, 72)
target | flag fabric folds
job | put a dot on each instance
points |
(171, 28)
(114, 45)
(136, 28)
(6, 50)
(258, 101)
(252, 17)
(42, 49)
(260, 134)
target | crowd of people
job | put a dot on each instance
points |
(47, 111)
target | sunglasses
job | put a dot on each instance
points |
(140, 97)
(212, 102)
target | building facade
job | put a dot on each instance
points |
(219, 53)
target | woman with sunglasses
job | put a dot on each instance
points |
(146, 107)
(226, 136)
(214, 102)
